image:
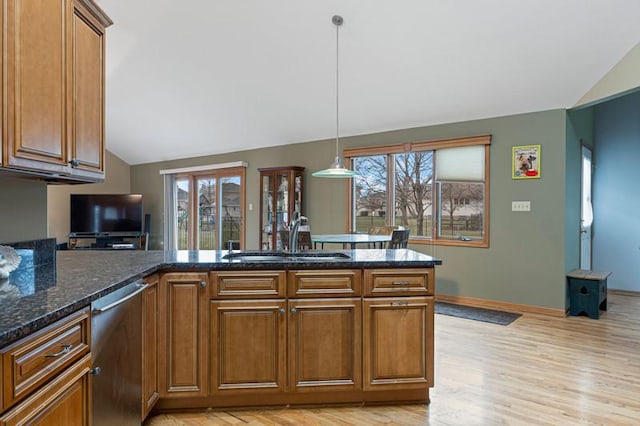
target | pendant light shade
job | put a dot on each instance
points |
(337, 168)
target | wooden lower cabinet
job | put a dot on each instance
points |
(150, 392)
(248, 346)
(63, 401)
(250, 354)
(301, 347)
(398, 343)
(325, 345)
(183, 334)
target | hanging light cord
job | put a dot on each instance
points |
(337, 21)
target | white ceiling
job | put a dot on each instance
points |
(197, 77)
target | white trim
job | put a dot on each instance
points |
(204, 168)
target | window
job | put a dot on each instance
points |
(437, 189)
(204, 208)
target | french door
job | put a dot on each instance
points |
(209, 210)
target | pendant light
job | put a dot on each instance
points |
(337, 168)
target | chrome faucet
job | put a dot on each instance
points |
(294, 226)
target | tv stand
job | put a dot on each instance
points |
(106, 241)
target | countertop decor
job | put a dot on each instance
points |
(9, 261)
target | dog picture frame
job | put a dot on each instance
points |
(525, 162)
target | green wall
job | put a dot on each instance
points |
(527, 258)
(117, 181)
(23, 209)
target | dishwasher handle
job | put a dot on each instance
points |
(140, 288)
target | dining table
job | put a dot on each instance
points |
(350, 240)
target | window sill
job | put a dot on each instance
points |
(454, 243)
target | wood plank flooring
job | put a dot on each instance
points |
(540, 370)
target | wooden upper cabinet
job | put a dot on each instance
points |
(53, 90)
(87, 85)
(35, 62)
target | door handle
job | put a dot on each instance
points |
(65, 350)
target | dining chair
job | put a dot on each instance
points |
(399, 239)
(284, 238)
(380, 230)
(304, 240)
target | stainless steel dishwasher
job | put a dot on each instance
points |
(116, 347)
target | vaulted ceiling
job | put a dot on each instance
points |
(197, 77)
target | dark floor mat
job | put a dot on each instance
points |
(478, 314)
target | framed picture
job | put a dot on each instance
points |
(525, 162)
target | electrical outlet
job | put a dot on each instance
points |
(521, 206)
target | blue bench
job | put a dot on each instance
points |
(587, 292)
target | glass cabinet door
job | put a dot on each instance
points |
(267, 210)
(281, 193)
(282, 208)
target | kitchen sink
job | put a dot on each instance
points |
(286, 256)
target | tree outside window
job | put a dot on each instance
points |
(438, 194)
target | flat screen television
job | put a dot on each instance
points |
(110, 214)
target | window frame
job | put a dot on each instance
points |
(429, 145)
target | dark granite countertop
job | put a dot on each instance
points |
(82, 276)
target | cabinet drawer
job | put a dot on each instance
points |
(397, 282)
(247, 284)
(330, 283)
(62, 401)
(32, 361)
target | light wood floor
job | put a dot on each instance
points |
(539, 370)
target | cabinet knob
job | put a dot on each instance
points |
(294, 310)
(95, 371)
(74, 162)
(203, 283)
(281, 310)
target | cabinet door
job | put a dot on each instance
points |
(325, 345)
(248, 344)
(36, 84)
(182, 334)
(63, 401)
(149, 345)
(267, 216)
(398, 343)
(87, 93)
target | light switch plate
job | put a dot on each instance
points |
(521, 206)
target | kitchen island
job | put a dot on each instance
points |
(264, 330)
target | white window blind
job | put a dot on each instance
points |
(460, 164)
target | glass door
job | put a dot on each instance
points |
(586, 215)
(182, 200)
(209, 213)
(206, 235)
(230, 212)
